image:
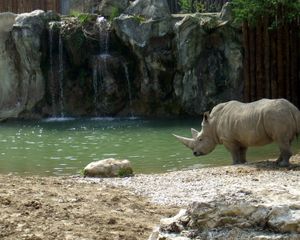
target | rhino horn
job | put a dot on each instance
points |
(189, 142)
(194, 133)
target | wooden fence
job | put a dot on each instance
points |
(271, 61)
(20, 6)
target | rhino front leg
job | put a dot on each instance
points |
(243, 151)
(238, 152)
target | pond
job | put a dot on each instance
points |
(66, 146)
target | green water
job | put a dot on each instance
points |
(66, 147)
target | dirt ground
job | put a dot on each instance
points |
(67, 208)
(34, 208)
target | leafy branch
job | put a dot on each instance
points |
(279, 11)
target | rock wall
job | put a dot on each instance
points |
(155, 63)
(7, 86)
(187, 63)
(22, 84)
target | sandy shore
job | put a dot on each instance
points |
(129, 208)
(36, 208)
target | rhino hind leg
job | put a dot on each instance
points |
(285, 154)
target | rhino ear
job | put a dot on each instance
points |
(206, 117)
(194, 133)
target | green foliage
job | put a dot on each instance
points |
(185, 6)
(75, 13)
(200, 7)
(279, 11)
(139, 18)
(188, 6)
(115, 12)
(82, 17)
(85, 18)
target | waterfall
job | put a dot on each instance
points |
(61, 75)
(51, 72)
(95, 85)
(100, 61)
(103, 26)
(129, 89)
(56, 71)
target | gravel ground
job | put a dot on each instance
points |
(258, 183)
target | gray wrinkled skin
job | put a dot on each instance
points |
(239, 125)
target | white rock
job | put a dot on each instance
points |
(284, 219)
(108, 168)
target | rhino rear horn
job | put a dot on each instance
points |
(194, 133)
(189, 142)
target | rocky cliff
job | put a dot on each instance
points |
(144, 62)
(22, 85)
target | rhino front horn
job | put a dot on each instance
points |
(189, 142)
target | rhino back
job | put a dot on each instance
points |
(257, 123)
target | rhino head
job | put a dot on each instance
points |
(201, 142)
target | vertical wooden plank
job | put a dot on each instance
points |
(252, 50)
(293, 62)
(15, 5)
(267, 57)
(259, 56)
(43, 5)
(58, 6)
(47, 5)
(286, 61)
(28, 5)
(280, 67)
(273, 70)
(34, 5)
(19, 6)
(2, 6)
(246, 70)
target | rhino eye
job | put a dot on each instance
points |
(200, 139)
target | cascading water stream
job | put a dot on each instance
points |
(100, 61)
(129, 89)
(56, 71)
(61, 75)
(51, 72)
(100, 69)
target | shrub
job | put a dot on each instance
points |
(279, 11)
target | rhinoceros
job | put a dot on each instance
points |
(239, 125)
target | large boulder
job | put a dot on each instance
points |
(22, 83)
(111, 8)
(238, 221)
(209, 62)
(108, 168)
(7, 68)
(150, 9)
